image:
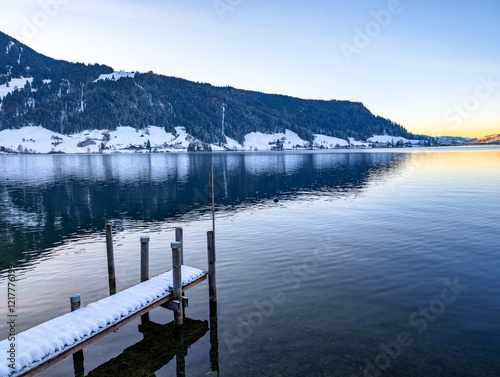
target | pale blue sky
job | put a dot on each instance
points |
(432, 66)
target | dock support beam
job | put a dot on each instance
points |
(212, 289)
(111, 260)
(78, 361)
(177, 282)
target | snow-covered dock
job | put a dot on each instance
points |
(44, 345)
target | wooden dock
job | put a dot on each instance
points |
(44, 345)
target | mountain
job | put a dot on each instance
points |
(490, 139)
(451, 140)
(64, 97)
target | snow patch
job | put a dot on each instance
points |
(357, 143)
(390, 139)
(19, 58)
(328, 142)
(115, 76)
(257, 141)
(8, 47)
(233, 145)
(14, 84)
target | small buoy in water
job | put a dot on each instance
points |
(276, 200)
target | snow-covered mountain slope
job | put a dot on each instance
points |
(391, 139)
(67, 98)
(115, 76)
(14, 84)
(490, 139)
(256, 141)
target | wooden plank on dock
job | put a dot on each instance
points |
(56, 338)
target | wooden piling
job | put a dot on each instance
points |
(177, 282)
(179, 238)
(144, 258)
(212, 289)
(111, 260)
(78, 360)
(75, 302)
(144, 269)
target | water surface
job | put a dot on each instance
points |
(354, 255)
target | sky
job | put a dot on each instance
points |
(432, 66)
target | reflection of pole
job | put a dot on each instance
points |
(214, 339)
(223, 118)
(180, 356)
(111, 260)
(78, 365)
(180, 362)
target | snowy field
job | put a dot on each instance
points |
(14, 84)
(37, 139)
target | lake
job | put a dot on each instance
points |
(339, 263)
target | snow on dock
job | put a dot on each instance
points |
(48, 340)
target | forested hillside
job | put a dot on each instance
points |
(68, 97)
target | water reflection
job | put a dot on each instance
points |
(160, 345)
(214, 339)
(46, 199)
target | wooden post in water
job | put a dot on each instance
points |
(177, 282)
(75, 302)
(179, 238)
(212, 289)
(144, 258)
(144, 269)
(78, 361)
(111, 260)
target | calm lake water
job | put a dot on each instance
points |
(371, 263)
